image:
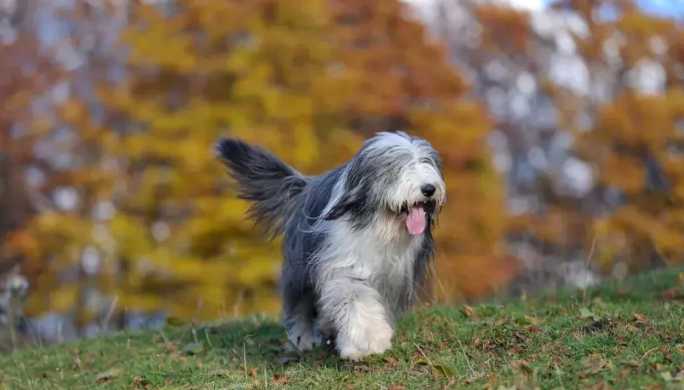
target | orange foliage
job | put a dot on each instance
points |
(636, 146)
(505, 29)
(633, 133)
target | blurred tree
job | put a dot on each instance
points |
(153, 223)
(26, 80)
(56, 166)
(514, 59)
(636, 143)
(637, 147)
(555, 89)
(628, 130)
(308, 82)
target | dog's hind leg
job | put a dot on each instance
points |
(358, 316)
(299, 315)
(324, 330)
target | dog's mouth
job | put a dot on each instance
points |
(417, 216)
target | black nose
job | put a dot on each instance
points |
(428, 190)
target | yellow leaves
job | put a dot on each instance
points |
(624, 172)
(307, 80)
(629, 228)
(640, 26)
(174, 54)
(42, 124)
(461, 125)
(64, 298)
(195, 156)
(17, 101)
(134, 300)
(255, 83)
(73, 110)
(669, 242)
(678, 192)
(337, 145)
(21, 243)
(504, 24)
(607, 240)
(131, 236)
(630, 129)
(305, 145)
(473, 276)
(159, 42)
(62, 224)
(635, 121)
(223, 212)
(675, 100)
(221, 17)
(632, 218)
(474, 229)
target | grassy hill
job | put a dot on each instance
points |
(619, 335)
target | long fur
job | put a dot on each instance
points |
(350, 265)
(264, 179)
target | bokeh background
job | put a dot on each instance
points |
(561, 126)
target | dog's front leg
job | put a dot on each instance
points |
(358, 316)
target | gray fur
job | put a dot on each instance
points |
(264, 179)
(350, 266)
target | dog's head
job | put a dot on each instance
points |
(397, 175)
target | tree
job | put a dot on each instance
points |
(155, 225)
(634, 142)
(518, 63)
(141, 218)
(585, 99)
(306, 81)
(59, 166)
(28, 76)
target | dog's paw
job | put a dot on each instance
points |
(304, 340)
(356, 353)
(360, 343)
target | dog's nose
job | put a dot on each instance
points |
(428, 190)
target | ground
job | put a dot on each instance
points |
(619, 335)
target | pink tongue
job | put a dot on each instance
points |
(415, 222)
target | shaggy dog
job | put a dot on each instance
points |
(357, 239)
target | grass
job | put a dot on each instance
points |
(619, 335)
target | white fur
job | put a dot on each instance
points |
(412, 175)
(359, 266)
(357, 271)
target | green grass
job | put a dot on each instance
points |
(619, 335)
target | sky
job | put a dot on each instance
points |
(659, 7)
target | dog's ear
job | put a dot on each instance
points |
(351, 202)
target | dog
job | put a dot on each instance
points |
(357, 240)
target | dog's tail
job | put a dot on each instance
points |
(264, 179)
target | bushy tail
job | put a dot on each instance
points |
(264, 179)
